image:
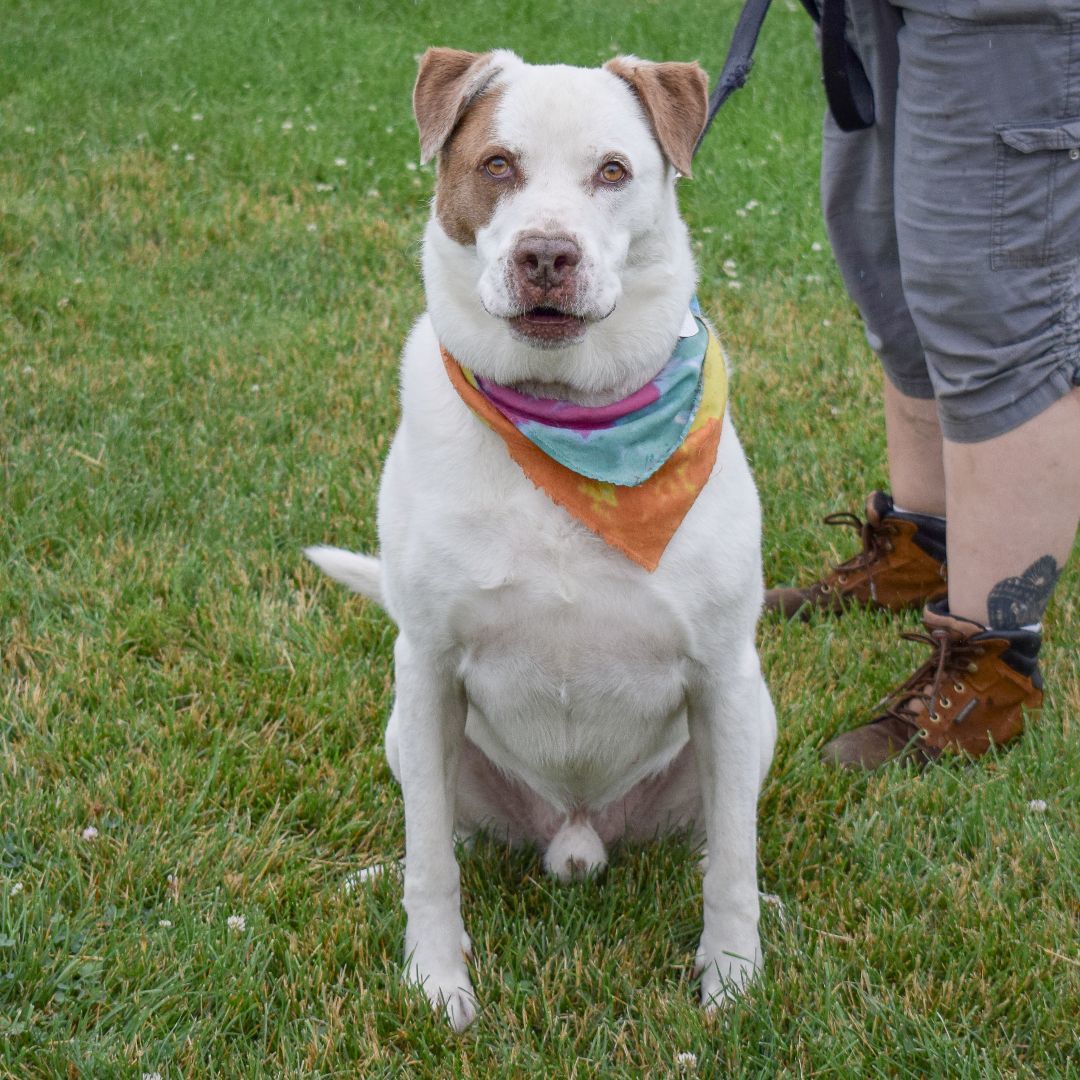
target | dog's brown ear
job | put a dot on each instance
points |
(446, 84)
(676, 100)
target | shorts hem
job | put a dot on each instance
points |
(922, 389)
(1000, 421)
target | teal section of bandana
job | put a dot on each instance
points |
(625, 442)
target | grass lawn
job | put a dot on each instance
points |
(209, 217)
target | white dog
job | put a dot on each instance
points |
(551, 689)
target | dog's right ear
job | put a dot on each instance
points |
(447, 83)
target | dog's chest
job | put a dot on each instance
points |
(548, 634)
(572, 664)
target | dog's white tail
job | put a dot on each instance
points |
(361, 573)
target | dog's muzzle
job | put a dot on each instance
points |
(545, 282)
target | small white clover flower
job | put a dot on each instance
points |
(324, 187)
(287, 126)
(151, 1076)
(340, 162)
(197, 117)
(311, 127)
(687, 1060)
(189, 157)
(237, 924)
(312, 227)
(815, 246)
(16, 889)
(1037, 806)
(175, 148)
(753, 204)
(165, 924)
(89, 833)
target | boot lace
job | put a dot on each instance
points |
(876, 543)
(951, 658)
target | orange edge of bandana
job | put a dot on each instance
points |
(637, 521)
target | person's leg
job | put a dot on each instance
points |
(916, 464)
(1014, 504)
(988, 224)
(901, 561)
(859, 210)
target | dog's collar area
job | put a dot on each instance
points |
(629, 470)
(623, 442)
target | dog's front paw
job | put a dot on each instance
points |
(725, 972)
(436, 962)
(449, 991)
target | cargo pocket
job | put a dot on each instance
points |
(1036, 213)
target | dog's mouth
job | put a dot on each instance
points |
(548, 326)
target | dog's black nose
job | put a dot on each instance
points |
(546, 261)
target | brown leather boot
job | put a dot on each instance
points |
(970, 693)
(901, 565)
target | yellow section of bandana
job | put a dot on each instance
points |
(637, 521)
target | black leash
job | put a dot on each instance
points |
(740, 59)
(847, 89)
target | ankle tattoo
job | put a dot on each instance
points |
(1020, 601)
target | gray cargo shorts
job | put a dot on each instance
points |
(955, 219)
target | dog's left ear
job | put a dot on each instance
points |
(675, 97)
(446, 85)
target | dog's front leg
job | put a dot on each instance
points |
(723, 712)
(431, 712)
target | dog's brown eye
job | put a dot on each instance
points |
(497, 167)
(612, 172)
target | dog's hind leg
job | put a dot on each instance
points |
(504, 807)
(390, 744)
(665, 802)
(767, 740)
(492, 801)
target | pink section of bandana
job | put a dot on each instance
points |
(519, 408)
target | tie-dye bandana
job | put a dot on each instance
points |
(630, 471)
